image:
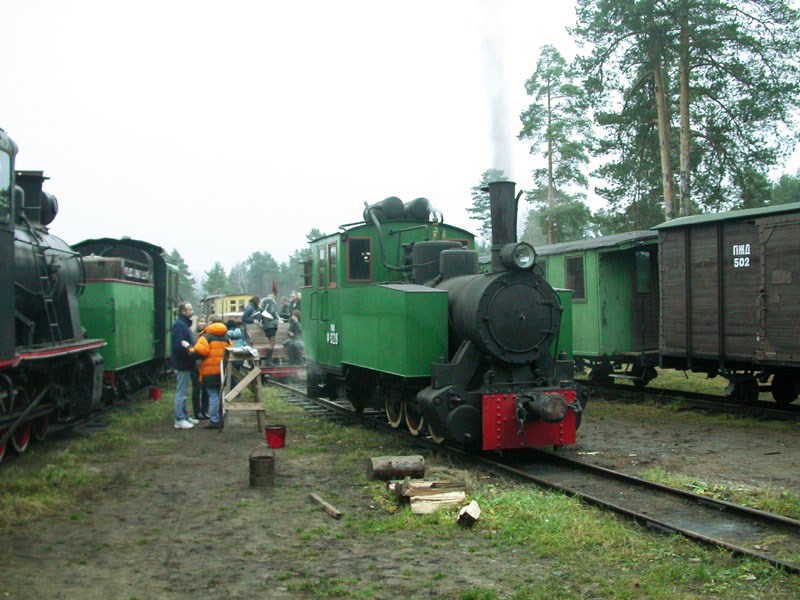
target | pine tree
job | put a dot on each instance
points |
(186, 283)
(215, 282)
(480, 210)
(559, 129)
(709, 86)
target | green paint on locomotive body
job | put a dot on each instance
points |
(358, 311)
(122, 313)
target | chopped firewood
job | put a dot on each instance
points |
(329, 508)
(420, 487)
(422, 505)
(393, 467)
(469, 514)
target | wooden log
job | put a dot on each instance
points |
(394, 467)
(469, 514)
(329, 508)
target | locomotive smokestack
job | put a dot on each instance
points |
(503, 205)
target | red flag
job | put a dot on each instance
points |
(274, 287)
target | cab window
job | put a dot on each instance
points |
(359, 259)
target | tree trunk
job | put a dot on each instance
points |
(663, 138)
(551, 200)
(686, 133)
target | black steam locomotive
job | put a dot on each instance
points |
(397, 314)
(48, 367)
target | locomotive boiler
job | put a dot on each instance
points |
(47, 365)
(401, 316)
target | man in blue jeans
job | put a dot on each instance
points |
(184, 363)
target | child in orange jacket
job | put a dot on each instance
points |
(211, 346)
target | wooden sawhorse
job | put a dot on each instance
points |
(249, 377)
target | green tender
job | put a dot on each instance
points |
(122, 314)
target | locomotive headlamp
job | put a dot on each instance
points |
(520, 256)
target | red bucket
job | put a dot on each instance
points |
(276, 435)
(155, 393)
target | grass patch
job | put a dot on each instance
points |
(777, 501)
(651, 411)
(36, 487)
(584, 551)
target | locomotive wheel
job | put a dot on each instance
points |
(40, 428)
(438, 439)
(22, 436)
(415, 420)
(394, 411)
(784, 390)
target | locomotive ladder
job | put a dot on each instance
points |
(46, 290)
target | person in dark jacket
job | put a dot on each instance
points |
(294, 343)
(294, 301)
(251, 312)
(285, 311)
(269, 323)
(199, 393)
(183, 362)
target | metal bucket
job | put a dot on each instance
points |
(262, 466)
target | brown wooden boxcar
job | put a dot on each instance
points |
(730, 298)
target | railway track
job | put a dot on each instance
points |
(759, 409)
(738, 529)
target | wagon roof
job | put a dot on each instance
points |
(619, 240)
(748, 213)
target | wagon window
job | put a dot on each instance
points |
(644, 273)
(359, 259)
(575, 277)
(332, 265)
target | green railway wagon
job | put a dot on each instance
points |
(615, 312)
(129, 300)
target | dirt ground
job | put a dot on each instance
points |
(702, 446)
(180, 519)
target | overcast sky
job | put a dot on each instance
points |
(222, 129)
